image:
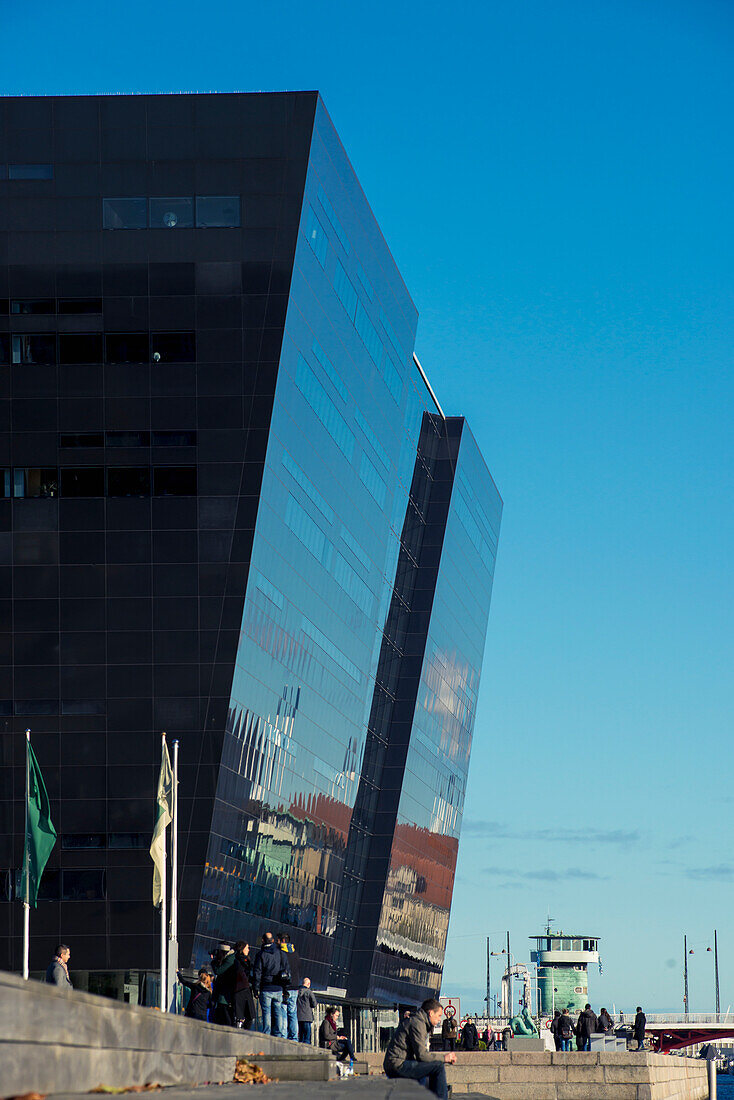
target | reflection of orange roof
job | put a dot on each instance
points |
(430, 855)
(324, 810)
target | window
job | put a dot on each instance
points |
(179, 481)
(217, 211)
(36, 482)
(83, 885)
(329, 370)
(372, 480)
(345, 291)
(309, 533)
(366, 284)
(336, 224)
(125, 213)
(81, 439)
(128, 840)
(353, 585)
(127, 347)
(128, 481)
(127, 439)
(32, 305)
(392, 377)
(171, 213)
(83, 481)
(4, 347)
(368, 334)
(30, 171)
(378, 448)
(174, 347)
(328, 647)
(324, 408)
(83, 706)
(77, 841)
(80, 305)
(6, 481)
(174, 439)
(316, 237)
(308, 487)
(34, 348)
(80, 348)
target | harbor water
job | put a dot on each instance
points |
(725, 1086)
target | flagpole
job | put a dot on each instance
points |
(173, 945)
(164, 922)
(27, 860)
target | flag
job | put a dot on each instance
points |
(164, 805)
(40, 834)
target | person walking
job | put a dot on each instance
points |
(269, 976)
(565, 1029)
(605, 1021)
(333, 1038)
(639, 1028)
(290, 989)
(448, 1032)
(409, 1054)
(244, 1002)
(200, 997)
(469, 1036)
(586, 1025)
(225, 984)
(554, 1026)
(57, 971)
(305, 1004)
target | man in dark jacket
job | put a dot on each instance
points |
(586, 1025)
(409, 1055)
(57, 971)
(565, 1029)
(270, 974)
(201, 994)
(448, 1033)
(639, 1031)
(305, 1004)
(469, 1036)
(290, 990)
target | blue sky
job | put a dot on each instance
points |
(555, 182)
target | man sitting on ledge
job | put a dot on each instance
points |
(408, 1053)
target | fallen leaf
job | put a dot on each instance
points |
(30, 1096)
(247, 1073)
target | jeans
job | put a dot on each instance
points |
(430, 1074)
(271, 1000)
(291, 1014)
(565, 1044)
(304, 1031)
(342, 1049)
(585, 1044)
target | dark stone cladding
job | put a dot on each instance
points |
(119, 616)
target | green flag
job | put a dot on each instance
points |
(163, 817)
(40, 834)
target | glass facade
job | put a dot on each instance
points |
(232, 511)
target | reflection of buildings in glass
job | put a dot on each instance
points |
(238, 514)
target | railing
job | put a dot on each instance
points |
(679, 1018)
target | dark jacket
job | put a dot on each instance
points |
(305, 1004)
(565, 1026)
(554, 1024)
(199, 1001)
(587, 1024)
(270, 964)
(470, 1036)
(410, 1043)
(57, 975)
(448, 1028)
(640, 1021)
(294, 965)
(605, 1021)
(225, 981)
(328, 1035)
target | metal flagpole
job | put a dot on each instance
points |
(716, 970)
(164, 919)
(173, 943)
(27, 861)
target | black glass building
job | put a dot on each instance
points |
(231, 509)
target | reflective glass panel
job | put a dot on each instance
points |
(217, 211)
(171, 213)
(125, 213)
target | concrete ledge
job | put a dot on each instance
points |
(54, 1041)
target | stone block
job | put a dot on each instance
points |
(580, 1074)
(595, 1091)
(627, 1058)
(526, 1091)
(530, 1074)
(624, 1075)
(471, 1074)
(576, 1058)
(530, 1058)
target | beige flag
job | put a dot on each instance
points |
(164, 805)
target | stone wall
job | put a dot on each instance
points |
(573, 1076)
(56, 1041)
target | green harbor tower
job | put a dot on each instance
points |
(563, 962)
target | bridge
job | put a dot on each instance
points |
(673, 1031)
